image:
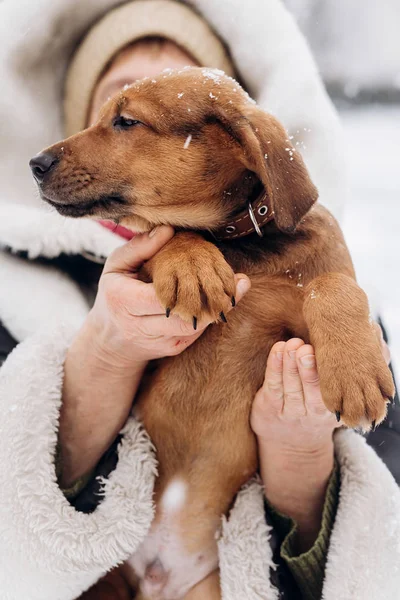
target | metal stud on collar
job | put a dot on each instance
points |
(230, 229)
(254, 220)
(262, 210)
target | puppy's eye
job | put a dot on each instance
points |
(125, 123)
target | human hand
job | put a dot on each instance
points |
(294, 432)
(125, 329)
(127, 322)
(288, 411)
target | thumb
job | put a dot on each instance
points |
(243, 285)
(130, 257)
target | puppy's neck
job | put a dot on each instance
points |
(236, 196)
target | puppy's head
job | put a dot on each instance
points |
(183, 149)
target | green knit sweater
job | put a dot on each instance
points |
(308, 569)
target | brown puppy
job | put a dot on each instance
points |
(190, 149)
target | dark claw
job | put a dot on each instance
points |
(373, 425)
(194, 323)
(223, 317)
(337, 413)
(233, 301)
(167, 312)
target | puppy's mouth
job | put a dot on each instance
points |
(103, 206)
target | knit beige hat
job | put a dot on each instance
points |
(122, 26)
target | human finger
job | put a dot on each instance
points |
(131, 256)
(268, 401)
(307, 366)
(292, 385)
(273, 381)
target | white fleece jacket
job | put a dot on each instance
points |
(48, 551)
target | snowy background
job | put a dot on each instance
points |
(357, 47)
(372, 218)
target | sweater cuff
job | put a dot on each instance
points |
(308, 569)
(73, 490)
(85, 494)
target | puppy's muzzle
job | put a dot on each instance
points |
(42, 164)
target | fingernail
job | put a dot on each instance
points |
(243, 285)
(153, 232)
(279, 356)
(292, 354)
(308, 361)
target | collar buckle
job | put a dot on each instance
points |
(254, 220)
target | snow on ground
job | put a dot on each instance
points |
(372, 220)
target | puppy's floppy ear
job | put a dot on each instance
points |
(268, 152)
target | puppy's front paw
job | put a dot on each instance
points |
(194, 282)
(356, 383)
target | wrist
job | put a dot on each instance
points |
(98, 392)
(118, 356)
(295, 454)
(295, 480)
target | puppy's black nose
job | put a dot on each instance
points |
(41, 164)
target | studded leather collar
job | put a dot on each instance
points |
(249, 220)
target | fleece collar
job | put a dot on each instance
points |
(39, 232)
(38, 295)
